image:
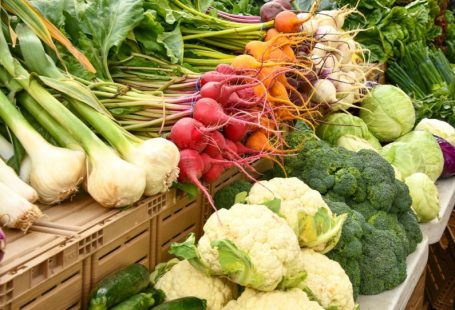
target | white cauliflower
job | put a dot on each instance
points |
(181, 279)
(294, 299)
(304, 209)
(249, 244)
(326, 280)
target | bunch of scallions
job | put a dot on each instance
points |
(87, 147)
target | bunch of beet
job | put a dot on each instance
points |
(213, 139)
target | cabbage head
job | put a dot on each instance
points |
(438, 128)
(337, 125)
(354, 144)
(417, 151)
(425, 196)
(388, 112)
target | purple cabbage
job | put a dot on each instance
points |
(2, 244)
(448, 150)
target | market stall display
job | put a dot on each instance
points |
(239, 147)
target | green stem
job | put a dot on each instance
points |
(196, 61)
(203, 15)
(29, 137)
(239, 30)
(59, 133)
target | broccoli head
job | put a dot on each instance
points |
(412, 228)
(225, 197)
(383, 262)
(402, 199)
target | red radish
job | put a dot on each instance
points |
(216, 144)
(226, 69)
(188, 133)
(209, 112)
(221, 92)
(235, 131)
(243, 150)
(191, 168)
(213, 174)
(231, 146)
(236, 101)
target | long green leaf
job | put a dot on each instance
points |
(38, 62)
(44, 29)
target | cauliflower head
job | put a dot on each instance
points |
(326, 280)
(249, 244)
(304, 209)
(179, 279)
(294, 299)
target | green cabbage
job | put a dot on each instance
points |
(425, 196)
(353, 143)
(418, 151)
(337, 125)
(438, 128)
(388, 112)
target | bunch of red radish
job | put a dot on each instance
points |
(213, 139)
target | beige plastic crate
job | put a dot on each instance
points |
(61, 291)
(175, 223)
(131, 247)
(76, 233)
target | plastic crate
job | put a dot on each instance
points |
(175, 223)
(131, 247)
(76, 234)
(441, 270)
(62, 290)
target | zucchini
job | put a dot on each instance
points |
(184, 303)
(158, 295)
(119, 286)
(141, 301)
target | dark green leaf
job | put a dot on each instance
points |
(190, 189)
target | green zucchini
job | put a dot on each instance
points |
(184, 303)
(158, 295)
(119, 286)
(141, 301)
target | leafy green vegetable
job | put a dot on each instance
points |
(388, 28)
(226, 197)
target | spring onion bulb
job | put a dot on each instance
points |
(55, 172)
(6, 148)
(25, 168)
(111, 181)
(9, 178)
(16, 211)
(157, 157)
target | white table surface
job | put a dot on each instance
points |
(398, 298)
(434, 229)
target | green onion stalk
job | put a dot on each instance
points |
(158, 157)
(111, 181)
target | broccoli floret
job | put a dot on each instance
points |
(225, 197)
(389, 222)
(382, 195)
(300, 134)
(364, 208)
(412, 228)
(346, 180)
(383, 262)
(402, 199)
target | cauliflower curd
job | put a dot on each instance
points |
(183, 280)
(294, 299)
